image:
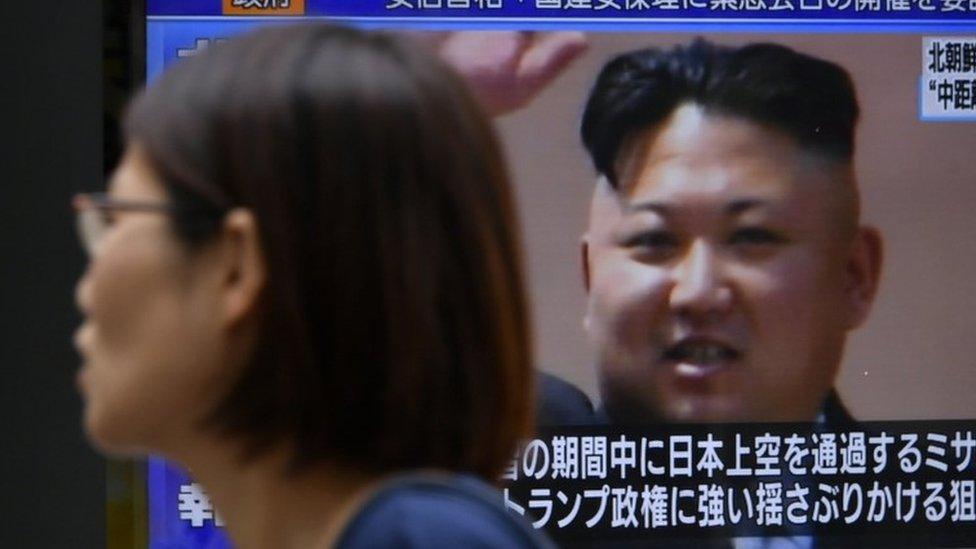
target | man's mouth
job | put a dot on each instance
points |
(700, 357)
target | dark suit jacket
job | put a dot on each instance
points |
(559, 402)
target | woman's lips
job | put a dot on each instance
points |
(81, 336)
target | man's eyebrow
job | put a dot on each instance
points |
(734, 207)
(741, 205)
(659, 208)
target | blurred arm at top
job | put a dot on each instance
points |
(506, 70)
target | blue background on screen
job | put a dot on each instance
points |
(166, 529)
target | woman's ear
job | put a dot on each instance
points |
(863, 274)
(244, 273)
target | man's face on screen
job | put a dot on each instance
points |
(719, 274)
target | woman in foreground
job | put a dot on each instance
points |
(305, 287)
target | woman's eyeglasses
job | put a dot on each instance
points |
(95, 213)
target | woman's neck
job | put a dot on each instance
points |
(262, 505)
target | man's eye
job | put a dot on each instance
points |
(653, 239)
(653, 245)
(755, 236)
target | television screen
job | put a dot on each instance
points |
(904, 370)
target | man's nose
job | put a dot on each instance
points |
(700, 290)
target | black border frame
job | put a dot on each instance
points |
(123, 73)
(124, 62)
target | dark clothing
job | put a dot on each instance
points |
(835, 413)
(559, 402)
(438, 511)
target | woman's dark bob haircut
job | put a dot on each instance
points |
(393, 324)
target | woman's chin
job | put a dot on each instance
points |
(108, 438)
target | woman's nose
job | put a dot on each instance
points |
(83, 291)
(700, 289)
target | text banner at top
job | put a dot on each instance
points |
(800, 11)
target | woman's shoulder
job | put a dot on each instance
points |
(435, 511)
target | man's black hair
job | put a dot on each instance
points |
(809, 99)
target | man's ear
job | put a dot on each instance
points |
(245, 270)
(605, 209)
(585, 262)
(863, 274)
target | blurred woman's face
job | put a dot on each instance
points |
(150, 341)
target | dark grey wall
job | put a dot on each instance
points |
(52, 486)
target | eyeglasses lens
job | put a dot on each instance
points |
(91, 228)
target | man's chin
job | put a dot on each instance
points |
(732, 409)
(686, 409)
(705, 409)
